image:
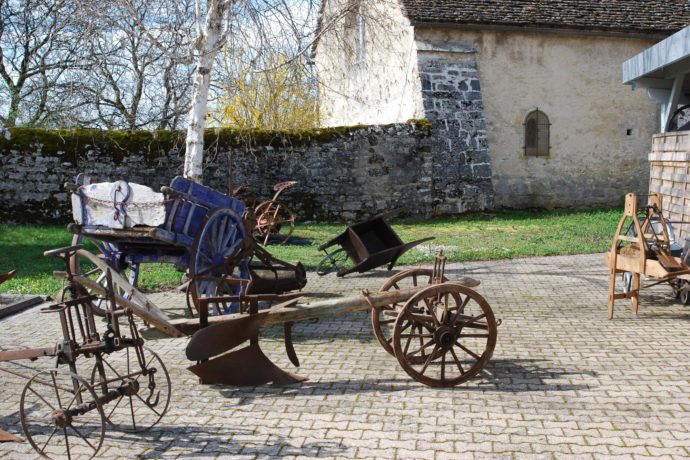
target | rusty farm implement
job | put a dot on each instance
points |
(64, 411)
(441, 332)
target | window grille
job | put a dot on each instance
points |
(537, 132)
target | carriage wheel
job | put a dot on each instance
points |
(382, 319)
(336, 260)
(61, 415)
(220, 240)
(143, 409)
(453, 326)
(84, 267)
(274, 218)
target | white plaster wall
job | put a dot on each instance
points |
(576, 81)
(384, 87)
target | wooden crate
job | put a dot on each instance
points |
(669, 174)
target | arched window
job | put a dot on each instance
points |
(537, 134)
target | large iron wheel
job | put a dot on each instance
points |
(84, 267)
(143, 409)
(274, 218)
(61, 415)
(215, 255)
(453, 327)
(382, 318)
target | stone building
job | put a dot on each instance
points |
(525, 97)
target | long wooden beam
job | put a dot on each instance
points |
(306, 311)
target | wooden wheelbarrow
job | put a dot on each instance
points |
(642, 246)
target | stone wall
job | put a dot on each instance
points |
(453, 104)
(345, 174)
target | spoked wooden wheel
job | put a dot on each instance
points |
(84, 267)
(143, 408)
(61, 415)
(274, 218)
(218, 243)
(453, 327)
(382, 319)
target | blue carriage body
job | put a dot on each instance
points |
(177, 241)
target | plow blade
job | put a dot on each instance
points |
(247, 366)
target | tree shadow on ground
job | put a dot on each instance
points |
(197, 441)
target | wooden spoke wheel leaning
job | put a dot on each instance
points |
(61, 415)
(382, 319)
(452, 327)
(274, 218)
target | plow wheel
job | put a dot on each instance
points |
(84, 267)
(444, 335)
(61, 415)
(147, 403)
(382, 319)
(274, 218)
(218, 242)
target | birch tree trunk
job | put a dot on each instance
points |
(208, 46)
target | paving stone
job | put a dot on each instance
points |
(564, 382)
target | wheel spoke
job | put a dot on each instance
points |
(468, 351)
(420, 349)
(443, 366)
(69, 454)
(82, 436)
(461, 309)
(428, 361)
(457, 361)
(49, 438)
(41, 398)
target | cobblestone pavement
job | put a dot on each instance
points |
(563, 382)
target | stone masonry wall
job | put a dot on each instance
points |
(344, 174)
(453, 104)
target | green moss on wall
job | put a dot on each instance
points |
(73, 144)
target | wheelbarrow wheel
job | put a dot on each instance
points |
(676, 287)
(382, 319)
(333, 261)
(274, 218)
(453, 326)
(144, 409)
(684, 294)
(61, 415)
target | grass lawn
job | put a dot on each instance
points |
(501, 235)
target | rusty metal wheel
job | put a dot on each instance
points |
(453, 327)
(61, 415)
(382, 319)
(274, 218)
(143, 408)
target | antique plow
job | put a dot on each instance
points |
(124, 385)
(442, 333)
